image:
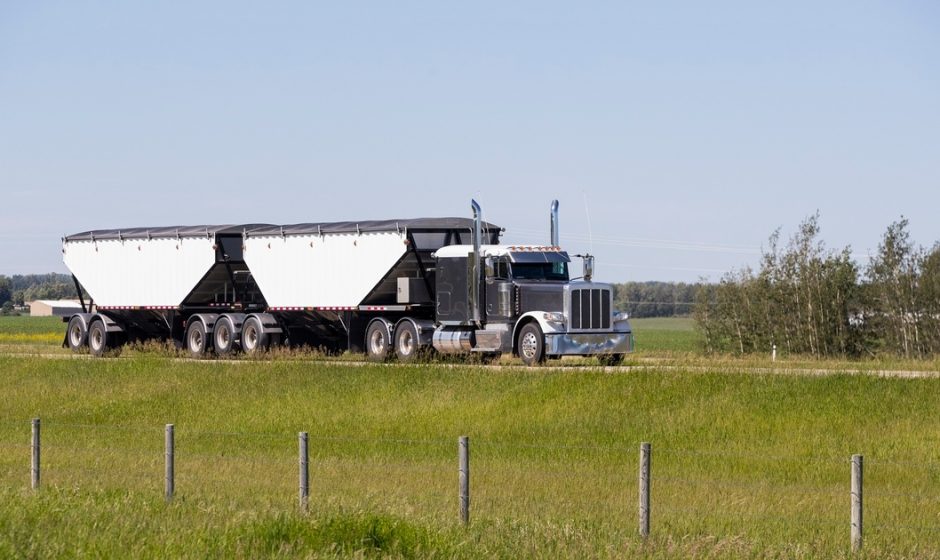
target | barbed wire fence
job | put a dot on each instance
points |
(643, 489)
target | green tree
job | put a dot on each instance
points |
(893, 274)
(799, 300)
(6, 289)
(928, 299)
(49, 290)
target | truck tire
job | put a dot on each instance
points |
(610, 359)
(254, 339)
(223, 337)
(407, 343)
(97, 338)
(377, 342)
(531, 345)
(196, 340)
(76, 336)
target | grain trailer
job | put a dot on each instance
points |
(390, 288)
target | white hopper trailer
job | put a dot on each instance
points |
(389, 288)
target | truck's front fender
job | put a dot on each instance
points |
(539, 317)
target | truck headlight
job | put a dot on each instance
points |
(620, 316)
(554, 317)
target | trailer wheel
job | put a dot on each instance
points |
(223, 337)
(377, 342)
(98, 338)
(407, 343)
(77, 336)
(531, 345)
(254, 339)
(196, 341)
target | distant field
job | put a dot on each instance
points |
(744, 465)
(31, 325)
(666, 334)
(31, 330)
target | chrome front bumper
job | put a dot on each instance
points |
(585, 344)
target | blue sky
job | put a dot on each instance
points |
(677, 135)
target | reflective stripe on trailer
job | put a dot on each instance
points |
(299, 308)
(135, 307)
(344, 308)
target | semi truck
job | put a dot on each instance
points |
(393, 289)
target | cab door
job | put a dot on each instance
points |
(498, 289)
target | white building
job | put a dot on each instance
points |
(53, 308)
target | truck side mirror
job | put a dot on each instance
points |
(489, 267)
(587, 261)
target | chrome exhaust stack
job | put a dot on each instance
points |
(555, 242)
(474, 265)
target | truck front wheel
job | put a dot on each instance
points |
(610, 359)
(531, 345)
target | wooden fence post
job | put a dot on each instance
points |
(304, 472)
(463, 458)
(170, 486)
(34, 469)
(644, 490)
(856, 503)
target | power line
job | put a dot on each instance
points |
(652, 243)
(671, 244)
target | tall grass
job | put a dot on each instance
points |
(752, 465)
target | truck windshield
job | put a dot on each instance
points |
(540, 271)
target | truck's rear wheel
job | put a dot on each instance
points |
(223, 337)
(77, 336)
(98, 338)
(531, 345)
(254, 339)
(407, 344)
(377, 342)
(196, 340)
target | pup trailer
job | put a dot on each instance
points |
(392, 288)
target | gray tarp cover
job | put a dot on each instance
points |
(462, 224)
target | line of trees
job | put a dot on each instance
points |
(21, 288)
(903, 295)
(808, 299)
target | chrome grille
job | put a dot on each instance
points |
(590, 309)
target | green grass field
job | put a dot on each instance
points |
(667, 334)
(31, 330)
(744, 465)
